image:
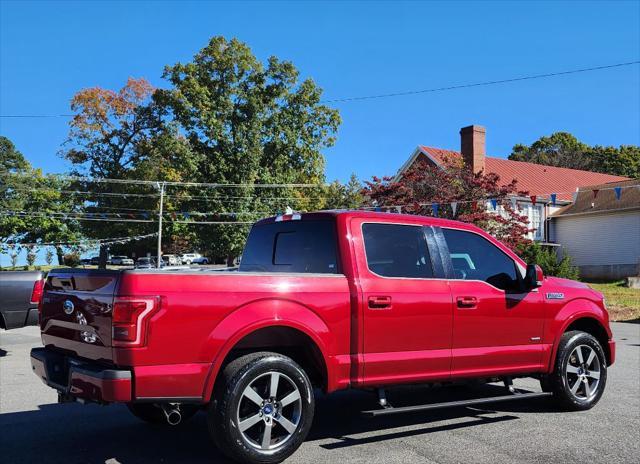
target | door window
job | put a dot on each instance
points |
(396, 250)
(475, 258)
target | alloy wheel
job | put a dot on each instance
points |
(269, 411)
(583, 372)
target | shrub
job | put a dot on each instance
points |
(31, 258)
(547, 259)
(71, 259)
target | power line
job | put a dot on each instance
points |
(398, 94)
(185, 197)
(479, 84)
(101, 241)
(171, 183)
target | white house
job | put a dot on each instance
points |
(601, 231)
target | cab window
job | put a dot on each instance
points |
(394, 250)
(475, 258)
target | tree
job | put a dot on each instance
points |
(31, 256)
(621, 161)
(344, 196)
(121, 135)
(48, 257)
(548, 260)
(32, 205)
(424, 184)
(564, 150)
(248, 123)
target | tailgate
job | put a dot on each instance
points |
(76, 312)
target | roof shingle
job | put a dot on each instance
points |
(537, 179)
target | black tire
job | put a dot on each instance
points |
(570, 372)
(152, 413)
(230, 402)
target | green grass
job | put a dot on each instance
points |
(623, 302)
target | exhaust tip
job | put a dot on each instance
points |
(174, 417)
(172, 414)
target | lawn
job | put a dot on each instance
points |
(623, 302)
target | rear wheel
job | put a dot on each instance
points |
(580, 372)
(154, 414)
(262, 409)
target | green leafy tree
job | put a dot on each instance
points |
(32, 204)
(248, 123)
(621, 161)
(31, 256)
(564, 150)
(344, 196)
(48, 256)
(559, 149)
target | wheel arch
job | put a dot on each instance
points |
(585, 316)
(281, 326)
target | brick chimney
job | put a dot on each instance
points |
(472, 147)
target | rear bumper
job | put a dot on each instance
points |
(78, 380)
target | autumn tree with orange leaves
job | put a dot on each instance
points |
(122, 135)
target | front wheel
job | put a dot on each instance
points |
(263, 408)
(580, 372)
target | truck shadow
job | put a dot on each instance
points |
(339, 417)
(111, 435)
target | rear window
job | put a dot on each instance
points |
(292, 246)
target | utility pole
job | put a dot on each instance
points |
(159, 257)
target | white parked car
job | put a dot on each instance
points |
(188, 258)
(172, 260)
(121, 261)
(200, 260)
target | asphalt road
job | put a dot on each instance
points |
(33, 428)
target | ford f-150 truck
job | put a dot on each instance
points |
(329, 300)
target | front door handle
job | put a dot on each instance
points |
(467, 302)
(379, 302)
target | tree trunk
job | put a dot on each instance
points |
(60, 256)
(230, 259)
(104, 251)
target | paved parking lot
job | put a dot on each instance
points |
(33, 428)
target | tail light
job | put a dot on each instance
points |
(36, 293)
(130, 319)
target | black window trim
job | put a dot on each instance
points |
(429, 242)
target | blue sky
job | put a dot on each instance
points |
(49, 50)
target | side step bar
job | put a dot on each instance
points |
(453, 404)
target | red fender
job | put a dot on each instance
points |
(576, 309)
(268, 313)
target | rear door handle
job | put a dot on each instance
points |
(379, 302)
(467, 302)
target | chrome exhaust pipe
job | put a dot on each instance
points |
(172, 413)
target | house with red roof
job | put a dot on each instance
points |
(549, 187)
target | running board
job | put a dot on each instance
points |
(453, 404)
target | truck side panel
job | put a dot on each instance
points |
(203, 314)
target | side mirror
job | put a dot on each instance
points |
(534, 277)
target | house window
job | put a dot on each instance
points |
(536, 221)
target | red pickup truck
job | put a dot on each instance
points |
(328, 300)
